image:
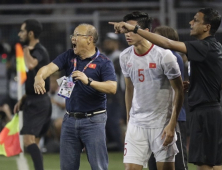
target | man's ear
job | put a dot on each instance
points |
(207, 28)
(90, 40)
(31, 34)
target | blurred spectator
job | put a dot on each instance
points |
(115, 103)
(5, 111)
(12, 84)
(111, 46)
(58, 110)
(5, 115)
(7, 67)
(58, 105)
(12, 79)
(3, 73)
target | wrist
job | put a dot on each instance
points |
(172, 124)
(136, 29)
(89, 81)
(38, 76)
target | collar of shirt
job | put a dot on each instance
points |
(94, 55)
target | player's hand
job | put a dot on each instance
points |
(39, 85)
(26, 50)
(17, 107)
(78, 75)
(186, 85)
(122, 27)
(168, 134)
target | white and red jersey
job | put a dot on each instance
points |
(150, 74)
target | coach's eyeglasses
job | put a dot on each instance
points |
(77, 35)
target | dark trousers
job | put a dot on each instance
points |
(206, 135)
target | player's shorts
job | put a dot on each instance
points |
(36, 115)
(206, 136)
(141, 142)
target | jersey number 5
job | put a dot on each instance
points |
(141, 75)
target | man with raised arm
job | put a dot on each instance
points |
(205, 56)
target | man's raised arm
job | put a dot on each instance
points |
(41, 75)
(123, 27)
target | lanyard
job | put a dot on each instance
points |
(75, 63)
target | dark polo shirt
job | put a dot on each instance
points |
(205, 58)
(85, 98)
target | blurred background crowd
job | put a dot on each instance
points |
(59, 18)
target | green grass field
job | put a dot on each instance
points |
(51, 162)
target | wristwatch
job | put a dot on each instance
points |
(136, 29)
(89, 81)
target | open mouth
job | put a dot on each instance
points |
(74, 45)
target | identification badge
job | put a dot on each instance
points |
(66, 88)
(59, 81)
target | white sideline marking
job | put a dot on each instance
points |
(22, 163)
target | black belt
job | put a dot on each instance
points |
(84, 115)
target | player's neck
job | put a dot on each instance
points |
(142, 48)
(33, 42)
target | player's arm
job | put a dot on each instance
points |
(162, 41)
(41, 75)
(177, 85)
(128, 96)
(30, 61)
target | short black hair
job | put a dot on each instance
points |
(142, 18)
(33, 25)
(212, 17)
